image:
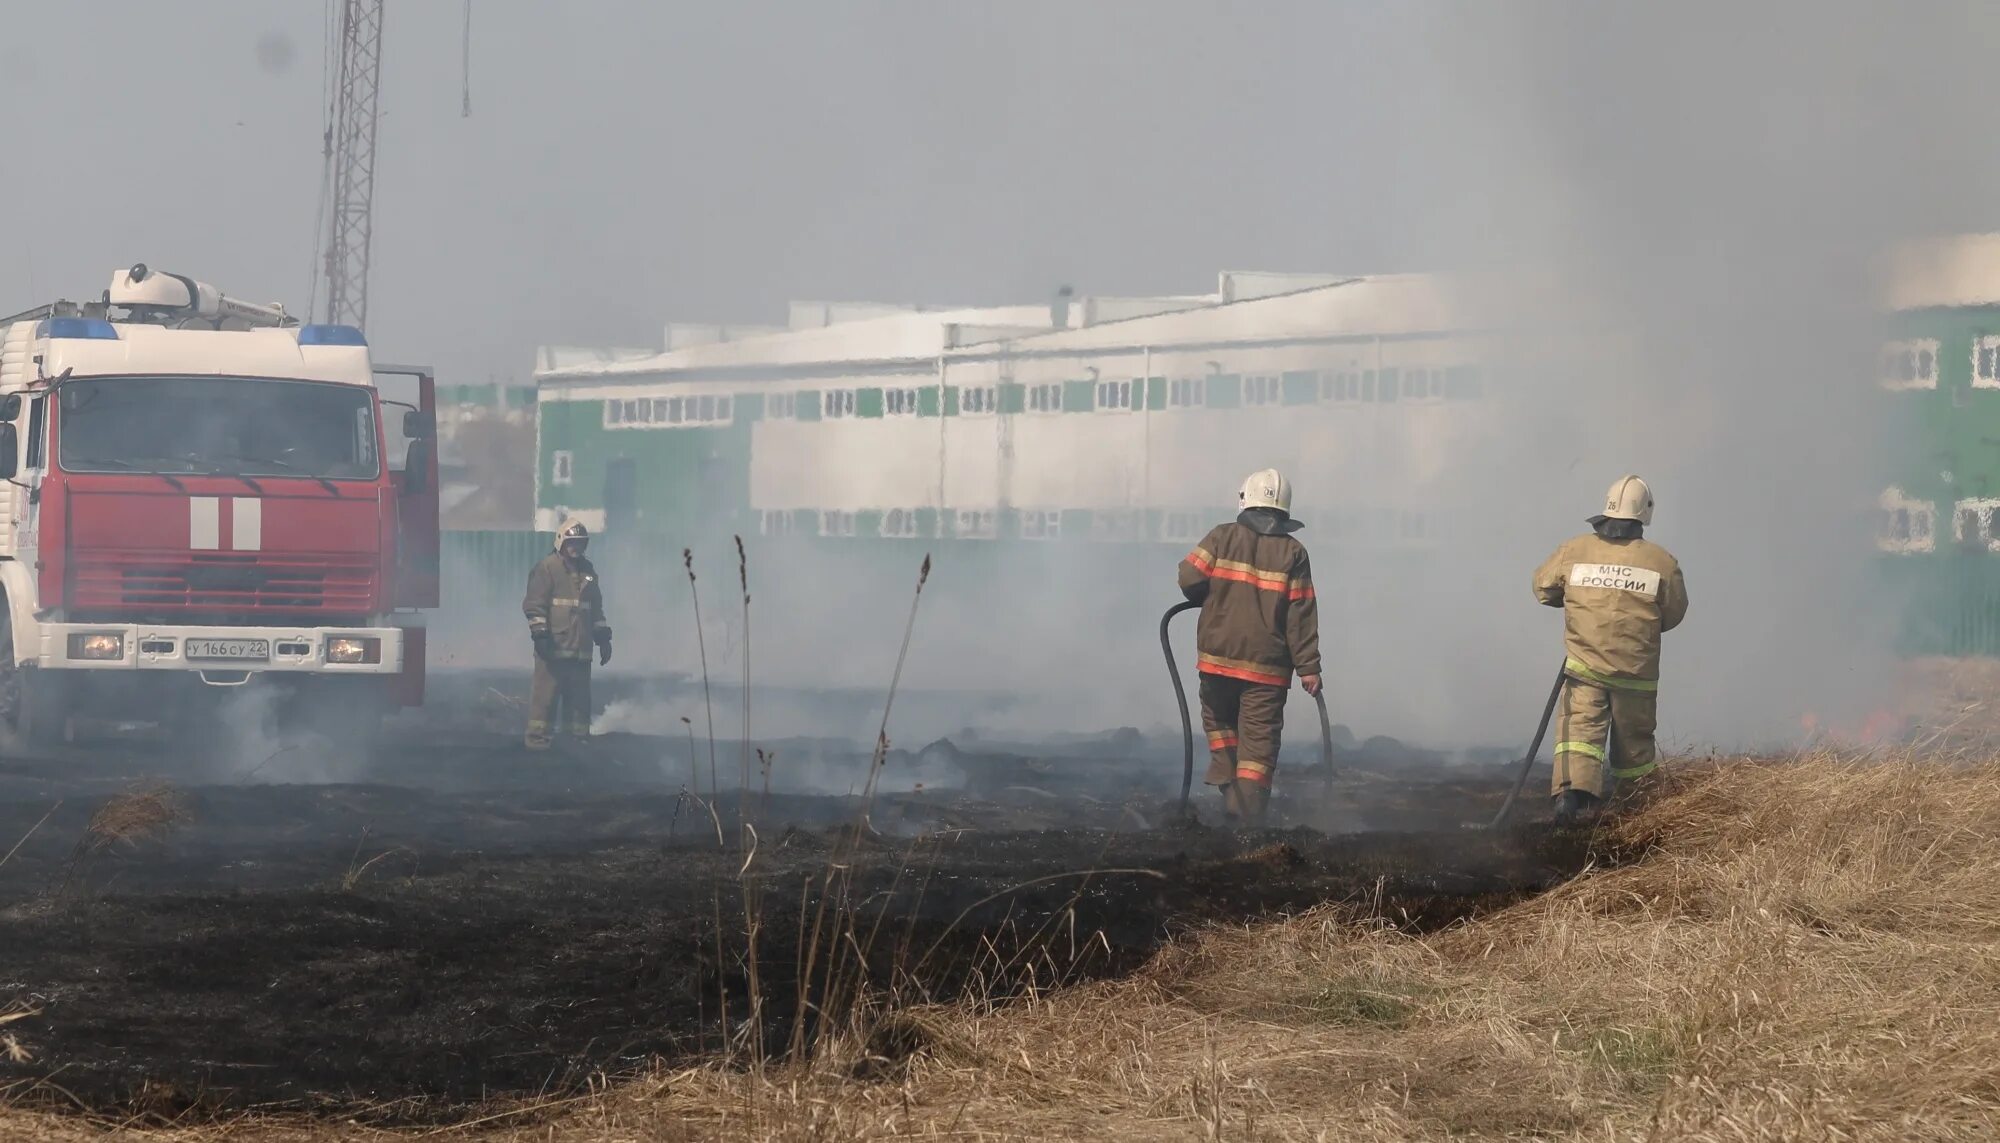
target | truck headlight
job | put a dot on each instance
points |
(353, 649)
(96, 646)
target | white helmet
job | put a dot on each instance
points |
(1266, 489)
(1628, 499)
(572, 531)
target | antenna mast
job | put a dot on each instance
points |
(351, 224)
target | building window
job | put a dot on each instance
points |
(1906, 525)
(836, 523)
(1986, 361)
(1261, 389)
(776, 522)
(977, 524)
(1182, 527)
(1121, 394)
(1422, 384)
(978, 400)
(1910, 364)
(1972, 524)
(1340, 385)
(1041, 524)
(899, 402)
(640, 412)
(781, 406)
(837, 403)
(1186, 392)
(1045, 398)
(1117, 524)
(562, 468)
(900, 523)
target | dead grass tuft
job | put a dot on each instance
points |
(1804, 950)
(132, 817)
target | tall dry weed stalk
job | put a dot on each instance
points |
(743, 743)
(701, 644)
(881, 752)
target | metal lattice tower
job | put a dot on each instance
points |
(353, 137)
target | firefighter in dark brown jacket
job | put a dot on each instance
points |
(1259, 624)
(565, 610)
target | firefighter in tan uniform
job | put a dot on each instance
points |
(1259, 624)
(565, 610)
(1618, 592)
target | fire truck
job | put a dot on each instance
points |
(203, 493)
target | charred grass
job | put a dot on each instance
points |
(1806, 950)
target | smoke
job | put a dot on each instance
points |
(1707, 194)
(1663, 227)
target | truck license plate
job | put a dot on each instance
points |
(237, 649)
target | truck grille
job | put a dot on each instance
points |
(342, 583)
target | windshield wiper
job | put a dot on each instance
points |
(288, 466)
(128, 466)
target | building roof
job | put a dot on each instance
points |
(1264, 305)
(1948, 270)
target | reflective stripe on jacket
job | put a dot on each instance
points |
(1259, 615)
(565, 599)
(1617, 597)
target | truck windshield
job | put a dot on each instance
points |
(233, 426)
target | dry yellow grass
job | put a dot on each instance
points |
(1810, 950)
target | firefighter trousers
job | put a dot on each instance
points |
(1599, 728)
(1245, 722)
(565, 682)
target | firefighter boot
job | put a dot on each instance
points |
(1244, 803)
(1574, 807)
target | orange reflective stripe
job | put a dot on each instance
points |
(1201, 560)
(1258, 772)
(1221, 739)
(1241, 670)
(1302, 590)
(1254, 576)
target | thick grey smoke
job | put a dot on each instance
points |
(1714, 188)
(1673, 217)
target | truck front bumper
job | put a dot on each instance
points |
(220, 650)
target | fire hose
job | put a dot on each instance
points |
(1187, 724)
(1326, 728)
(1534, 748)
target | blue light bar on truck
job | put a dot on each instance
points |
(91, 329)
(330, 335)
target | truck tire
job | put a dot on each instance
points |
(32, 715)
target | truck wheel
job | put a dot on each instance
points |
(31, 708)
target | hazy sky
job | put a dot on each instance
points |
(1712, 180)
(627, 163)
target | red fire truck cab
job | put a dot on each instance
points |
(205, 493)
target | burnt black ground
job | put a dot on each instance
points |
(463, 922)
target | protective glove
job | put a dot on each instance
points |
(603, 647)
(545, 646)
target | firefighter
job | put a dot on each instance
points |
(1259, 624)
(565, 610)
(1618, 592)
